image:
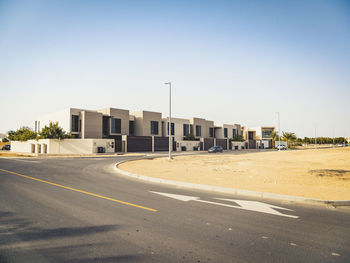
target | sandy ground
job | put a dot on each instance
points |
(315, 173)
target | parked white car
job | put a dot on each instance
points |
(281, 147)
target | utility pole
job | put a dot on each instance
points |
(169, 123)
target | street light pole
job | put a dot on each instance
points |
(169, 123)
(279, 131)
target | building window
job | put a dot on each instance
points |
(225, 132)
(172, 128)
(266, 134)
(116, 125)
(154, 127)
(186, 129)
(234, 133)
(105, 125)
(198, 130)
(251, 135)
(75, 123)
(131, 128)
(211, 132)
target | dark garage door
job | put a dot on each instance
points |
(208, 142)
(252, 144)
(161, 143)
(139, 143)
(118, 144)
(222, 143)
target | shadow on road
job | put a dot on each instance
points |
(22, 241)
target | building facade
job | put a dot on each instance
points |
(145, 130)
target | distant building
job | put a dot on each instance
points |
(147, 130)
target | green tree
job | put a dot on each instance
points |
(306, 140)
(238, 138)
(53, 131)
(22, 134)
(299, 141)
(289, 137)
(274, 136)
(5, 140)
(189, 137)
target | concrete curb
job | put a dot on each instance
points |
(226, 190)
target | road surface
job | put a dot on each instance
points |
(80, 210)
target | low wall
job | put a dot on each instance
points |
(188, 144)
(66, 146)
(22, 147)
(238, 145)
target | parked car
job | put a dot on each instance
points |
(6, 147)
(281, 147)
(215, 149)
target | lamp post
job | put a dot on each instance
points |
(279, 131)
(169, 123)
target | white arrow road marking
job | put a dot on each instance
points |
(259, 207)
(244, 205)
(184, 198)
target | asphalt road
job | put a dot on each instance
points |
(79, 210)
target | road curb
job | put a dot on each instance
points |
(234, 191)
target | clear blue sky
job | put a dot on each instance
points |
(229, 61)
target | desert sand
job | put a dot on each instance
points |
(315, 173)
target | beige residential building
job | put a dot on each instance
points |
(249, 134)
(201, 128)
(264, 132)
(144, 130)
(115, 122)
(227, 131)
(260, 137)
(178, 127)
(64, 118)
(147, 123)
(90, 124)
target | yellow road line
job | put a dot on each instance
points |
(81, 191)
